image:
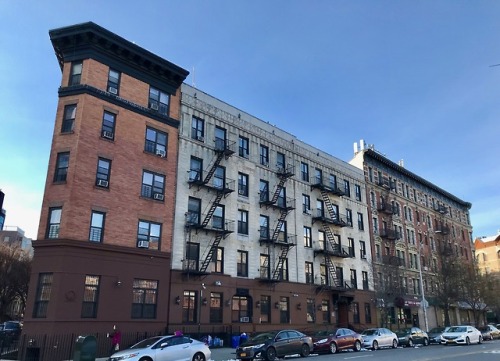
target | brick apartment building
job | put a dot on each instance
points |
(110, 189)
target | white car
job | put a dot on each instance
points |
(375, 338)
(461, 335)
(165, 348)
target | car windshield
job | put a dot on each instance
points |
(263, 337)
(324, 333)
(483, 328)
(437, 330)
(147, 342)
(404, 331)
(370, 332)
(457, 329)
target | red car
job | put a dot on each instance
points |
(336, 340)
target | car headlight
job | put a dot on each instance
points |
(124, 357)
(323, 340)
(253, 347)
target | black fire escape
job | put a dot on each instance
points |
(221, 188)
(278, 237)
(330, 247)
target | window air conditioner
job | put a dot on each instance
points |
(241, 192)
(158, 196)
(244, 319)
(200, 138)
(154, 106)
(107, 134)
(308, 211)
(426, 268)
(160, 153)
(143, 244)
(113, 90)
(102, 183)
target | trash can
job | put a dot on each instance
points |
(235, 341)
(32, 354)
(85, 348)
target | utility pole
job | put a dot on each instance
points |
(424, 301)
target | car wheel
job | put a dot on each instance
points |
(305, 351)
(426, 342)
(394, 343)
(199, 357)
(375, 345)
(410, 343)
(333, 348)
(145, 359)
(357, 346)
(270, 354)
(467, 341)
(480, 340)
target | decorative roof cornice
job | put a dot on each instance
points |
(89, 40)
(380, 158)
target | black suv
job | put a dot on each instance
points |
(10, 331)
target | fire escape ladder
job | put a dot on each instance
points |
(281, 260)
(279, 224)
(332, 272)
(329, 205)
(211, 211)
(331, 238)
(277, 192)
(211, 251)
(214, 166)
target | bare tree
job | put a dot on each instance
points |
(15, 269)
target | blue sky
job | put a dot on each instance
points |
(414, 78)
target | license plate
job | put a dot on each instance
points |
(243, 354)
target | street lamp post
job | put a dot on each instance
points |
(424, 301)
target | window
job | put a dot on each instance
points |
(351, 247)
(283, 271)
(265, 309)
(242, 222)
(240, 309)
(194, 211)
(217, 264)
(244, 150)
(189, 307)
(144, 296)
(321, 240)
(242, 264)
(311, 310)
(243, 184)
(54, 222)
(218, 217)
(357, 188)
(108, 125)
(90, 296)
(348, 217)
(263, 190)
(69, 118)
(43, 291)
(264, 266)
(220, 139)
(96, 226)
(113, 81)
(153, 185)
(355, 312)
(354, 279)
(103, 173)
(370, 174)
(368, 313)
(280, 161)
(192, 256)
(309, 272)
(332, 179)
(325, 311)
(75, 76)
(198, 129)
(215, 307)
(304, 171)
(148, 235)
(364, 275)
(196, 170)
(264, 155)
(219, 178)
(158, 101)
(284, 307)
(62, 164)
(156, 142)
(362, 249)
(307, 237)
(347, 188)
(361, 225)
(318, 176)
(306, 204)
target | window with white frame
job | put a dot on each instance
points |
(62, 165)
(244, 147)
(242, 222)
(197, 129)
(156, 142)
(68, 118)
(96, 232)
(108, 125)
(264, 155)
(113, 81)
(54, 222)
(103, 172)
(153, 185)
(75, 76)
(148, 234)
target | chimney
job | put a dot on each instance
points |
(362, 144)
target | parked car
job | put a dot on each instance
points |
(10, 331)
(376, 338)
(334, 340)
(273, 344)
(461, 335)
(411, 336)
(489, 332)
(172, 348)
(435, 334)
